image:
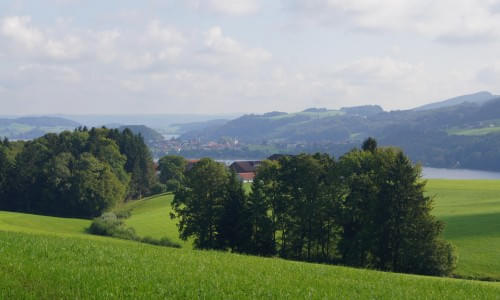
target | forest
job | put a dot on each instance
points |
(75, 174)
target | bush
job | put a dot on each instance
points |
(173, 185)
(109, 224)
(164, 241)
(158, 188)
(123, 213)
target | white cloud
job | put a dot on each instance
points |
(223, 50)
(48, 73)
(376, 70)
(19, 30)
(164, 34)
(36, 42)
(229, 7)
(446, 20)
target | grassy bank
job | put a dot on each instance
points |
(50, 267)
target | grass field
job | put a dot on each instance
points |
(52, 267)
(469, 208)
(46, 257)
(471, 212)
(151, 217)
(475, 131)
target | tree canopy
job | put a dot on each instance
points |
(80, 173)
(366, 209)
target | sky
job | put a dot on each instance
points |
(242, 56)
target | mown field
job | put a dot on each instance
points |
(46, 257)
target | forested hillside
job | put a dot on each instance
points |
(26, 128)
(464, 135)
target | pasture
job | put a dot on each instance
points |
(471, 212)
(51, 267)
(47, 257)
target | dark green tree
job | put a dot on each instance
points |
(4, 173)
(78, 173)
(199, 204)
(370, 144)
(172, 168)
(386, 218)
(94, 188)
(408, 236)
(234, 223)
(262, 232)
(139, 162)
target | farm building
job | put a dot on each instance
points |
(245, 169)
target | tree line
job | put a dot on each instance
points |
(366, 209)
(75, 174)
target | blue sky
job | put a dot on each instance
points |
(224, 56)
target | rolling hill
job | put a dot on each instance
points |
(476, 98)
(449, 134)
(47, 257)
(32, 127)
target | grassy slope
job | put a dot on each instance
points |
(19, 222)
(50, 267)
(151, 217)
(471, 212)
(475, 131)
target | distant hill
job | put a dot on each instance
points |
(277, 126)
(162, 122)
(26, 128)
(365, 110)
(463, 135)
(150, 135)
(182, 128)
(476, 98)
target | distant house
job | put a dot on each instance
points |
(245, 169)
(246, 177)
(249, 166)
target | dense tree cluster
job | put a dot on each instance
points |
(171, 169)
(366, 209)
(80, 173)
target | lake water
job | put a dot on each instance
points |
(170, 136)
(437, 173)
(427, 172)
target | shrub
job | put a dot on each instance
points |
(164, 241)
(109, 224)
(158, 188)
(123, 213)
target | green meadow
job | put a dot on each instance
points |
(47, 257)
(52, 267)
(471, 212)
(475, 131)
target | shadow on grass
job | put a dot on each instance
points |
(468, 226)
